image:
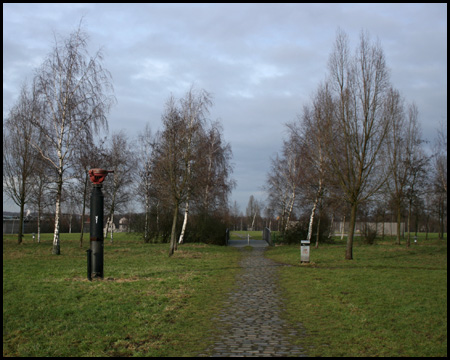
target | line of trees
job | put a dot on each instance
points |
(356, 142)
(69, 99)
(187, 166)
(56, 132)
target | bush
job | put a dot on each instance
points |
(369, 235)
(299, 231)
(294, 234)
(206, 228)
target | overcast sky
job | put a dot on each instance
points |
(261, 62)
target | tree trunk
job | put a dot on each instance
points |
(111, 226)
(311, 219)
(399, 219)
(20, 230)
(146, 227)
(291, 206)
(351, 230)
(408, 241)
(313, 211)
(186, 211)
(22, 208)
(84, 208)
(39, 222)
(56, 243)
(331, 227)
(173, 240)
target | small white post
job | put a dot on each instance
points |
(248, 239)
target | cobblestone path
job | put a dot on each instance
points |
(251, 324)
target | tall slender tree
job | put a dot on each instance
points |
(174, 161)
(360, 87)
(76, 92)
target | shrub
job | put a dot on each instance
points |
(206, 228)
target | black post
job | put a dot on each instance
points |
(89, 264)
(97, 231)
(95, 262)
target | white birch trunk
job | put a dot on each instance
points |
(56, 244)
(183, 229)
(313, 211)
(253, 222)
(311, 220)
(186, 210)
(111, 226)
(291, 206)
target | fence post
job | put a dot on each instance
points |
(267, 236)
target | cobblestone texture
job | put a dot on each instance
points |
(251, 324)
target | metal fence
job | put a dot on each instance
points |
(267, 236)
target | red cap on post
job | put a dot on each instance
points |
(98, 175)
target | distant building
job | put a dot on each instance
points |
(387, 228)
(123, 224)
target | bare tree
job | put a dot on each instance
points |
(174, 155)
(19, 157)
(440, 175)
(89, 154)
(399, 147)
(194, 107)
(286, 177)
(77, 94)
(120, 159)
(440, 156)
(253, 211)
(144, 186)
(310, 133)
(359, 86)
(406, 158)
(214, 170)
(41, 186)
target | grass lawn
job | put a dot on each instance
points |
(147, 305)
(239, 235)
(388, 301)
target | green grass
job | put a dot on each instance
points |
(147, 305)
(388, 301)
(239, 235)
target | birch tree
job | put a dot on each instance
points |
(214, 170)
(194, 107)
(310, 133)
(174, 156)
(77, 93)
